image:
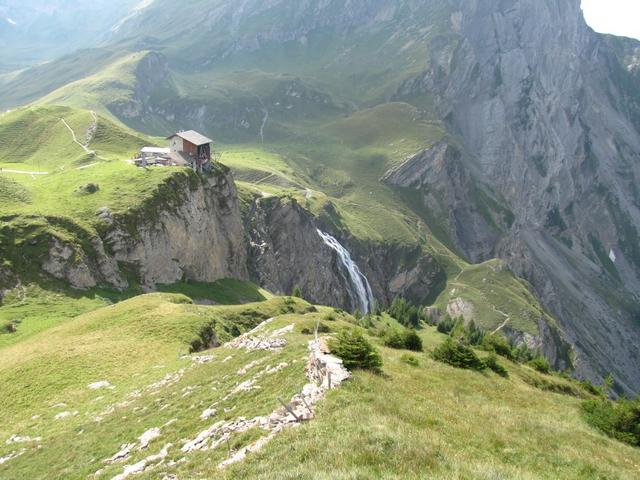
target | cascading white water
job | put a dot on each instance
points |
(361, 289)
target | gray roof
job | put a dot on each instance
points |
(194, 137)
(162, 151)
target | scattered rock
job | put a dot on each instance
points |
(251, 344)
(324, 370)
(202, 359)
(152, 461)
(25, 439)
(125, 451)
(282, 331)
(11, 456)
(99, 385)
(65, 415)
(147, 437)
(249, 366)
(208, 413)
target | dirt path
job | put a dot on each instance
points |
(22, 172)
(506, 320)
(75, 139)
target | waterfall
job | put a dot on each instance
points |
(360, 288)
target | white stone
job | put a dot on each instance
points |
(99, 385)
(147, 437)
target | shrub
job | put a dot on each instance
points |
(403, 340)
(446, 325)
(322, 328)
(393, 339)
(410, 360)
(331, 317)
(412, 341)
(458, 354)
(540, 364)
(405, 312)
(523, 354)
(618, 419)
(8, 327)
(474, 334)
(297, 293)
(356, 351)
(492, 363)
(598, 390)
(88, 189)
(498, 344)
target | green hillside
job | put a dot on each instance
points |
(83, 390)
(44, 168)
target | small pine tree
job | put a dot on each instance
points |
(296, 292)
(474, 334)
(356, 351)
(497, 343)
(492, 363)
(540, 364)
(446, 325)
(458, 354)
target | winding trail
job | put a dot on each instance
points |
(73, 136)
(506, 320)
(22, 172)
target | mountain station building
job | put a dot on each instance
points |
(186, 149)
(192, 147)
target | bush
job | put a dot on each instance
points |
(8, 327)
(618, 419)
(356, 351)
(458, 354)
(322, 328)
(88, 189)
(492, 363)
(498, 344)
(405, 312)
(540, 364)
(297, 293)
(331, 317)
(474, 334)
(523, 354)
(447, 324)
(410, 360)
(403, 340)
(412, 341)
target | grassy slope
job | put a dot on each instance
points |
(432, 420)
(35, 139)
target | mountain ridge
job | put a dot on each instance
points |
(533, 160)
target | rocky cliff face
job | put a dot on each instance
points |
(286, 251)
(546, 115)
(191, 229)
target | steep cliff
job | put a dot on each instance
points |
(286, 251)
(546, 115)
(190, 228)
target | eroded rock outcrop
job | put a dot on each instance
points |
(190, 228)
